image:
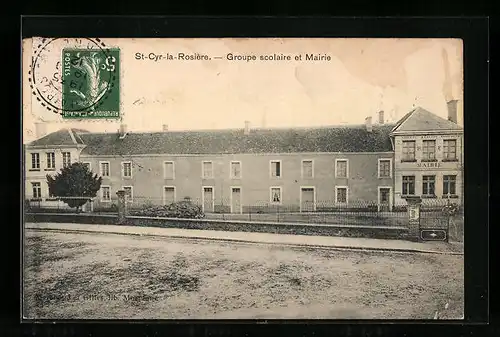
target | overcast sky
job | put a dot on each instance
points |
(362, 77)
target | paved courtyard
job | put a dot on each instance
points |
(109, 276)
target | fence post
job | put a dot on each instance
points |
(122, 207)
(278, 212)
(414, 204)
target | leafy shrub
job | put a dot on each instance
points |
(182, 209)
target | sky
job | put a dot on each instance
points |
(362, 77)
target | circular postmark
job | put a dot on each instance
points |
(75, 77)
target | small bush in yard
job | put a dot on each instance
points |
(182, 209)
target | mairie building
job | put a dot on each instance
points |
(300, 169)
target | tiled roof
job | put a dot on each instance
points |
(420, 119)
(326, 139)
(61, 137)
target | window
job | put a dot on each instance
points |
(384, 168)
(35, 161)
(51, 160)
(128, 193)
(449, 185)
(428, 184)
(168, 170)
(87, 164)
(341, 168)
(208, 171)
(169, 195)
(66, 159)
(104, 168)
(341, 194)
(408, 150)
(408, 185)
(126, 169)
(307, 169)
(450, 149)
(428, 150)
(276, 168)
(105, 193)
(235, 169)
(37, 190)
(275, 195)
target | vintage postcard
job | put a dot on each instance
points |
(243, 178)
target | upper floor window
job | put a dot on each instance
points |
(66, 159)
(449, 149)
(408, 150)
(126, 169)
(428, 185)
(341, 168)
(104, 168)
(384, 168)
(37, 189)
(51, 160)
(307, 169)
(35, 161)
(208, 169)
(428, 150)
(168, 170)
(235, 169)
(276, 168)
(408, 185)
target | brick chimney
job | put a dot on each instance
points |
(247, 127)
(452, 110)
(165, 127)
(40, 129)
(381, 117)
(123, 131)
(368, 123)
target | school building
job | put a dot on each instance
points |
(302, 169)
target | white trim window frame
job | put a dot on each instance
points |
(36, 189)
(302, 168)
(390, 197)
(51, 161)
(203, 198)
(165, 169)
(123, 169)
(390, 168)
(103, 187)
(346, 168)
(35, 161)
(346, 188)
(101, 173)
(231, 198)
(231, 176)
(66, 158)
(163, 193)
(131, 199)
(314, 196)
(280, 169)
(203, 169)
(271, 197)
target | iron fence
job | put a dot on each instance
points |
(353, 213)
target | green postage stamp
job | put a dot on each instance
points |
(90, 83)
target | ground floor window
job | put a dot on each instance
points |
(408, 185)
(275, 195)
(128, 193)
(428, 185)
(449, 185)
(341, 195)
(37, 190)
(105, 193)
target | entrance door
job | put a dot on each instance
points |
(168, 195)
(208, 199)
(384, 199)
(307, 195)
(235, 200)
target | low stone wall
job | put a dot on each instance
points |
(225, 225)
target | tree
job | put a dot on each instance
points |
(75, 185)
